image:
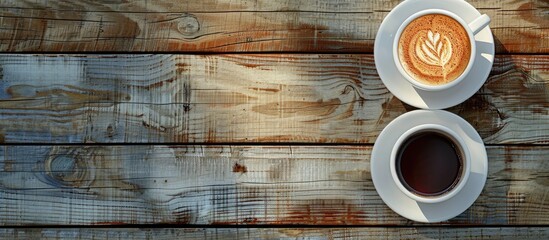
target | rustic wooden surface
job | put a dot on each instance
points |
(235, 121)
(307, 98)
(519, 26)
(236, 185)
(512, 233)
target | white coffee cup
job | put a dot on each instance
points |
(471, 28)
(458, 142)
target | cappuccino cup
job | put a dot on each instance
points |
(430, 163)
(435, 49)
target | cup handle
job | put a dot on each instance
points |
(479, 23)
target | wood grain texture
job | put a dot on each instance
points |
(236, 25)
(534, 233)
(240, 185)
(242, 98)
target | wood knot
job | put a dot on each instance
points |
(62, 167)
(186, 107)
(240, 168)
(110, 131)
(188, 24)
(69, 167)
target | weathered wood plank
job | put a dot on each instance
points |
(242, 98)
(534, 233)
(326, 185)
(236, 25)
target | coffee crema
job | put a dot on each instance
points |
(434, 49)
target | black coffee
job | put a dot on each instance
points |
(429, 164)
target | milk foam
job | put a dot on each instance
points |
(434, 49)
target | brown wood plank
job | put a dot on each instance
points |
(236, 25)
(313, 185)
(513, 233)
(242, 98)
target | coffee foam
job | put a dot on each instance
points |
(434, 49)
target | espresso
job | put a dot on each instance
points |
(429, 164)
(434, 49)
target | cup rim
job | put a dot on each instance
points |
(466, 161)
(421, 85)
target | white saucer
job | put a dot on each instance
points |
(400, 202)
(404, 90)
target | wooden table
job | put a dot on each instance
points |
(224, 118)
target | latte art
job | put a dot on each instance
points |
(434, 49)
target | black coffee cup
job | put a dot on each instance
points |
(430, 163)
